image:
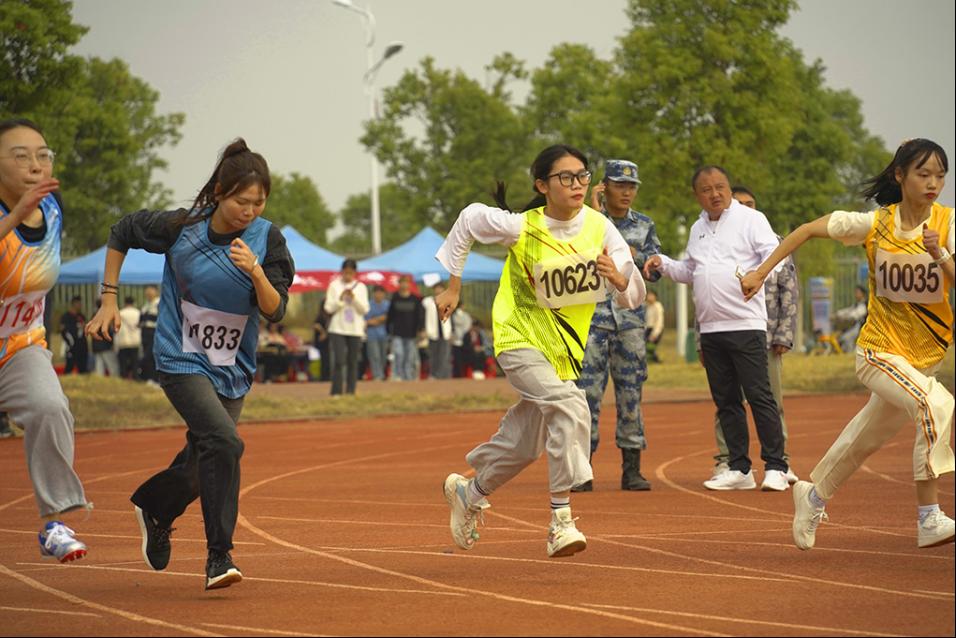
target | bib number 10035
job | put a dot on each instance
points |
(908, 278)
(568, 280)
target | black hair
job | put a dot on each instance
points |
(349, 263)
(883, 188)
(18, 122)
(75, 298)
(129, 301)
(739, 188)
(238, 168)
(540, 169)
(707, 169)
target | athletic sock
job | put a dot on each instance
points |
(926, 510)
(475, 493)
(815, 498)
(558, 503)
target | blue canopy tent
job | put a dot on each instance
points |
(309, 256)
(139, 268)
(417, 258)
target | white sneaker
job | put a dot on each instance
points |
(59, 541)
(732, 480)
(937, 529)
(806, 516)
(775, 481)
(719, 469)
(464, 517)
(792, 476)
(564, 539)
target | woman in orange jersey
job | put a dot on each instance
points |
(909, 326)
(30, 227)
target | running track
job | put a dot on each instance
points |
(343, 531)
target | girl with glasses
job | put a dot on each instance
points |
(561, 256)
(30, 227)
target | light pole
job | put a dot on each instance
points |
(369, 81)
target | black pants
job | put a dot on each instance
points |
(208, 467)
(128, 360)
(345, 354)
(147, 364)
(77, 357)
(734, 361)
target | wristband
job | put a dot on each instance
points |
(944, 255)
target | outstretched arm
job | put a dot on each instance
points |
(752, 282)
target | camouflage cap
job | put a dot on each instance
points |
(621, 171)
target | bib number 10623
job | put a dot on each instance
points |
(568, 280)
(907, 278)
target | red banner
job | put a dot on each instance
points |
(309, 280)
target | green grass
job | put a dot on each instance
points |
(103, 403)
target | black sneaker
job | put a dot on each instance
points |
(220, 571)
(6, 431)
(155, 540)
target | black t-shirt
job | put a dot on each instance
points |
(406, 316)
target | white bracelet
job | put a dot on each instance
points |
(944, 255)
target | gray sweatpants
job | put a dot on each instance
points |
(551, 415)
(30, 392)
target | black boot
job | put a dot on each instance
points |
(587, 486)
(631, 478)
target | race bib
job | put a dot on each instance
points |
(907, 278)
(568, 280)
(21, 313)
(214, 333)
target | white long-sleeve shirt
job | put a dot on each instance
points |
(432, 324)
(488, 225)
(348, 317)
(741, 237)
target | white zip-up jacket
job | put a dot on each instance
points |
(740, 238)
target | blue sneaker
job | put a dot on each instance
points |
(58, 541)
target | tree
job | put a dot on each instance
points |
(295, 200)
(99, 118)
(470, 138)
(400, 221)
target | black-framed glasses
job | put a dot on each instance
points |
(43, 157)
(567, 177)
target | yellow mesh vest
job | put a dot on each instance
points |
(519, 322)
(908, 312)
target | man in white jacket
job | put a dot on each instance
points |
(727, 241)
(439, 337)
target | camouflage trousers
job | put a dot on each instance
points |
(622, 355)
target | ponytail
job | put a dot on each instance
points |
(237, 169)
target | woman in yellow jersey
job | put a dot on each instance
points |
(561, 253)
(31, 220)
(909, 246)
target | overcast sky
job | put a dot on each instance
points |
(287, 75)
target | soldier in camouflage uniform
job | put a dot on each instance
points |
(616, 339)
(782, 292)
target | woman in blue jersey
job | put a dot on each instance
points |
(561, 255)
(225, 265)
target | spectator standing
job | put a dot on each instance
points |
(147, 328)
(105, 361)
(347, 303)
(128, 339)
(320, 339)
(404, 322)
(439, 337)
(654, 329)
(72, 324)
(460, 325)
(376, 333)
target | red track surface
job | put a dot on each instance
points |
(343, 530)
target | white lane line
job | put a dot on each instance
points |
(284, 581)
(886, 477)
(259, 630)
(126, 536)
(370, 523)
(36, 610)
(744, 621)
(76, 600)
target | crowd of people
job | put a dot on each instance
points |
(572, 310)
